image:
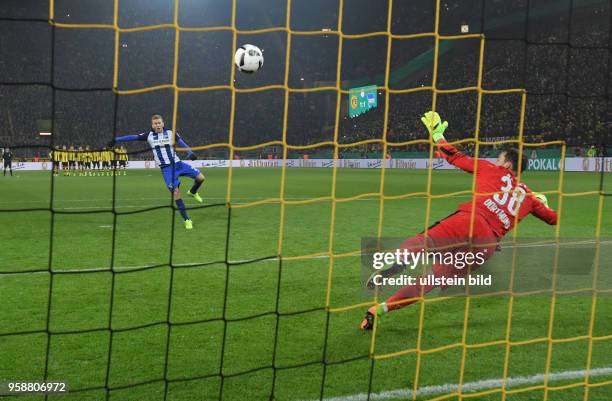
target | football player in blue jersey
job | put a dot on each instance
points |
(160, 140)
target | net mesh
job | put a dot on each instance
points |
(338, 145)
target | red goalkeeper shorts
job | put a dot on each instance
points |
(452, 234)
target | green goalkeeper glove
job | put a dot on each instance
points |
(541, 198)
(434, 125)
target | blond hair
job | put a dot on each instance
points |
(157, 117)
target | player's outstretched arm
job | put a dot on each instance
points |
(183, 144)
(541, 210)
(127, 138)
(436, 128)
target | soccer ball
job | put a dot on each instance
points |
(248, 59)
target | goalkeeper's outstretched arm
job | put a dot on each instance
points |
(436, 128)
(455, 157)
(541, 210)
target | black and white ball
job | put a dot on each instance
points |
(248, 59)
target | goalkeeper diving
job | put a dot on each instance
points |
(500, 202)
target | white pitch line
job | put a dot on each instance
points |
(479, 385)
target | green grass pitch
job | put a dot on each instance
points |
(251, 341)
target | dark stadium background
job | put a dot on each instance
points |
(102, 287)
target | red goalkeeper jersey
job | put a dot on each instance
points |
(500, 197)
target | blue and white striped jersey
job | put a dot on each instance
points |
(161, 145)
